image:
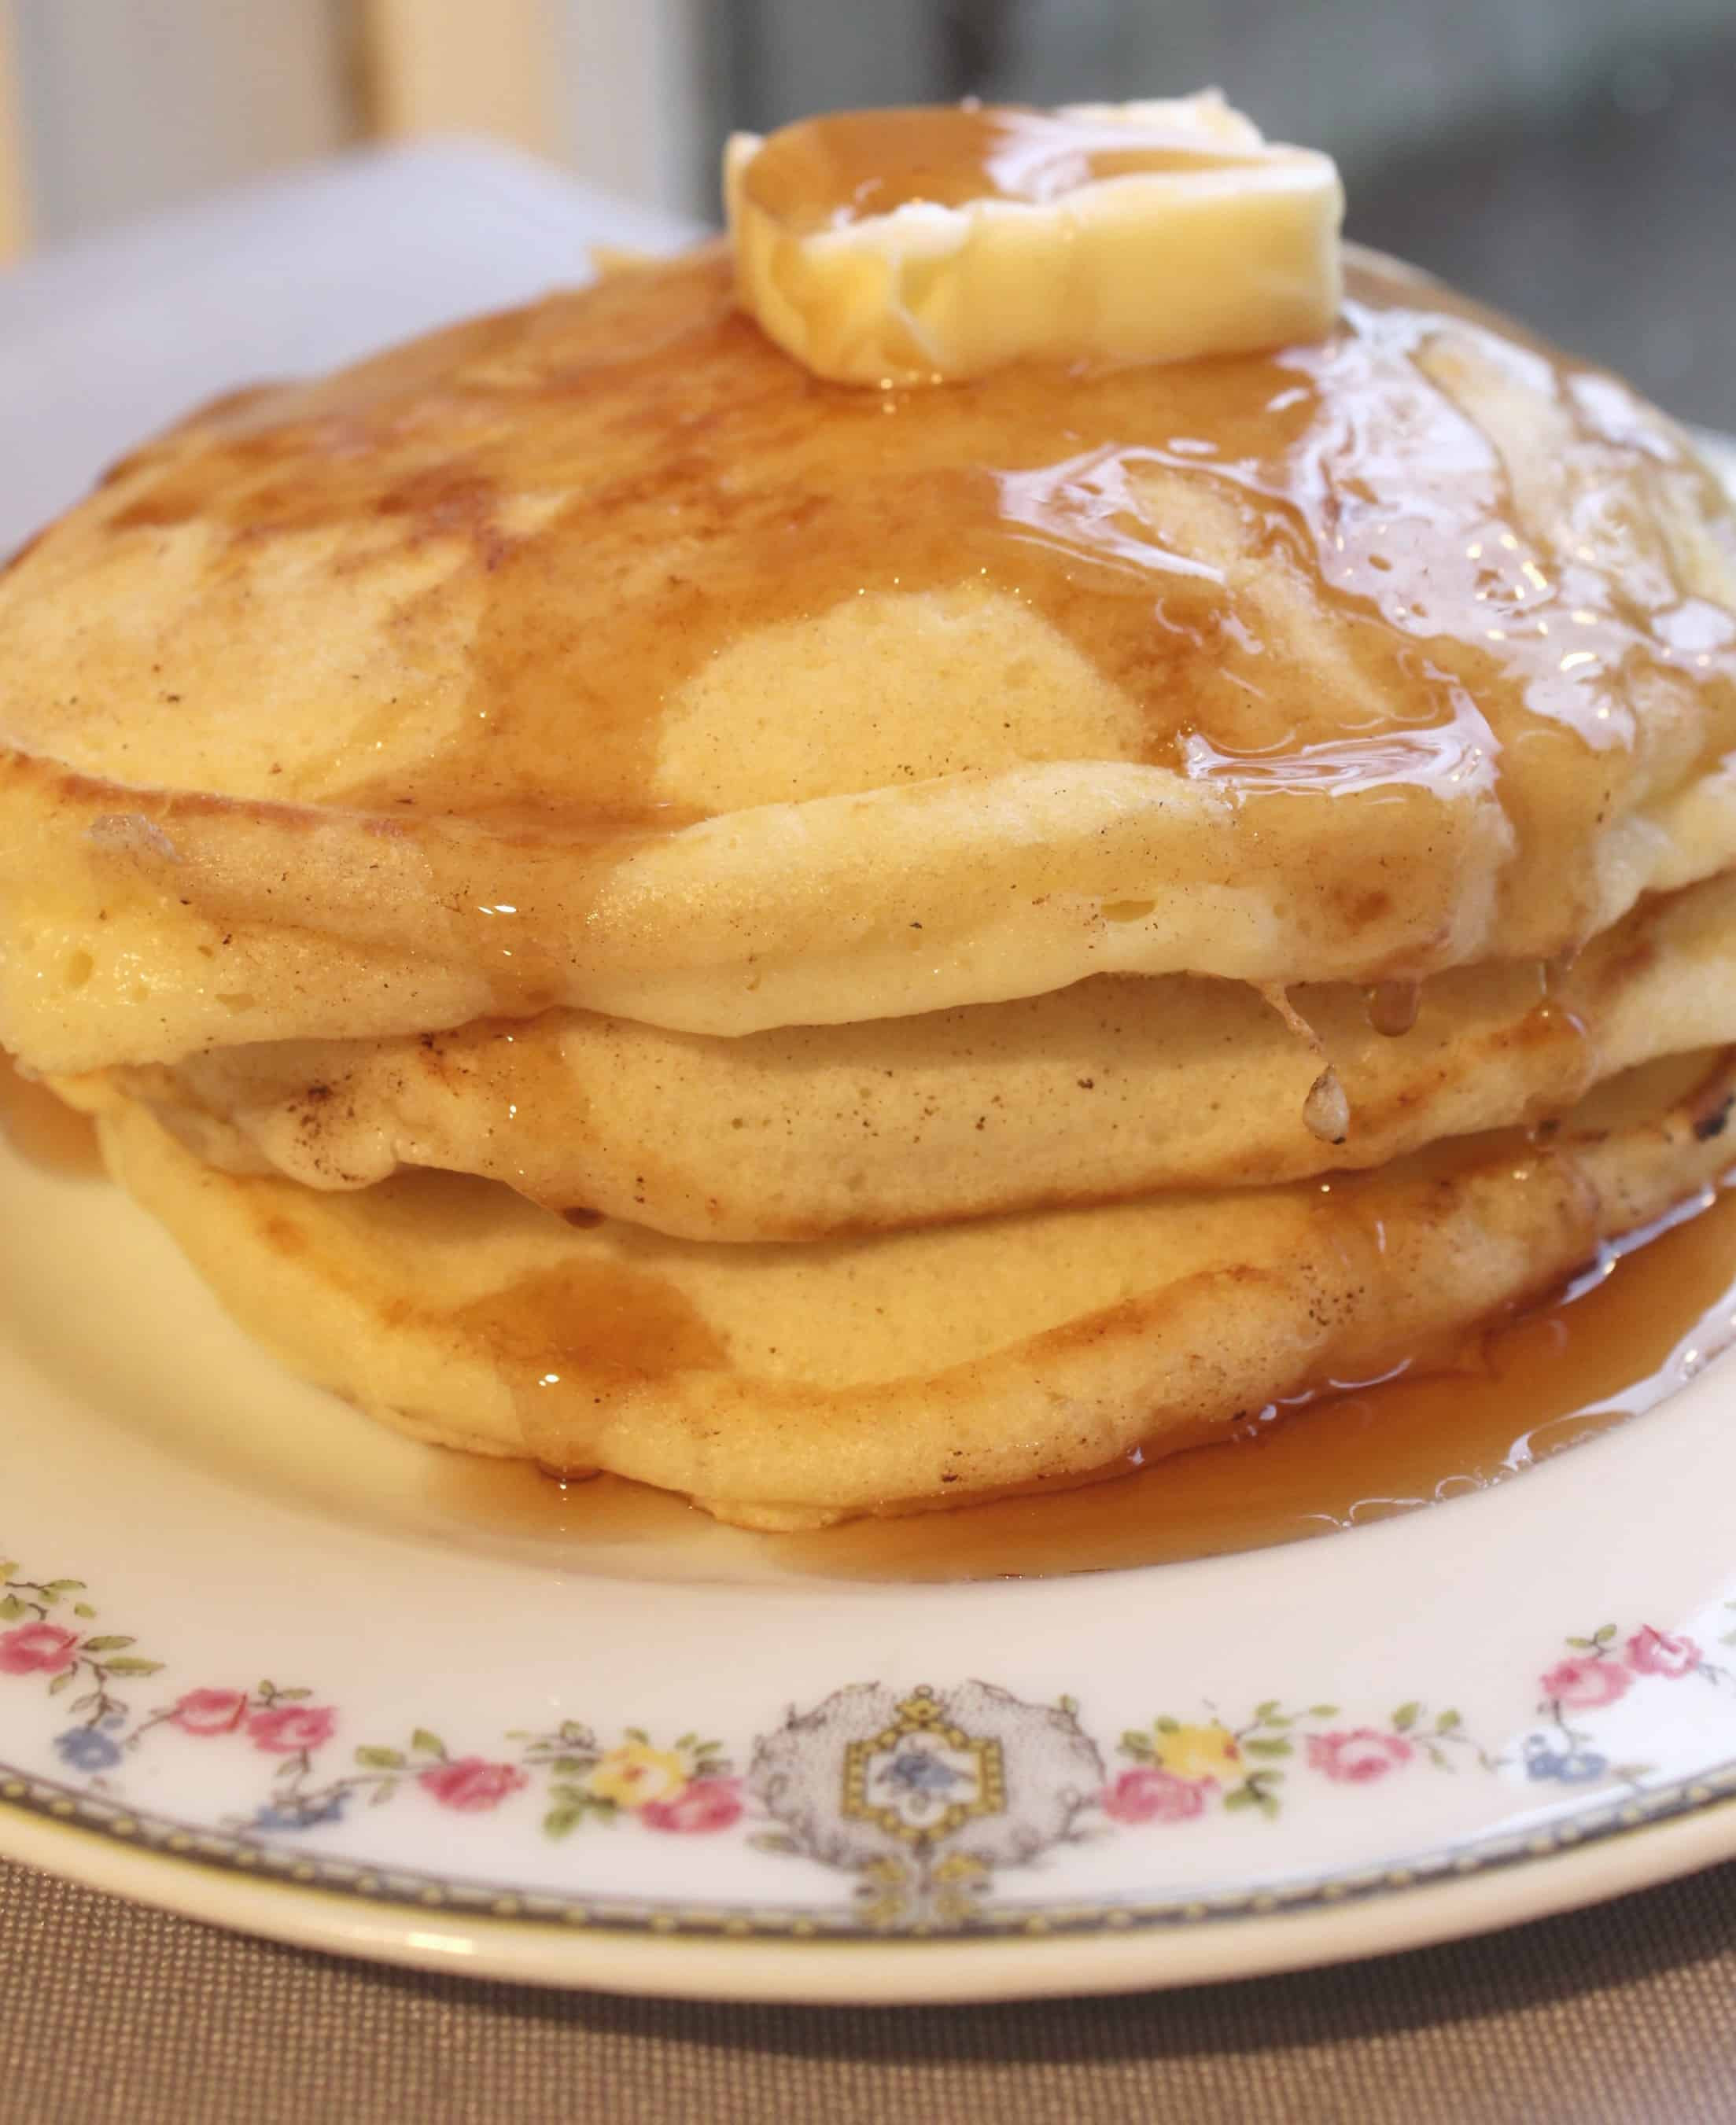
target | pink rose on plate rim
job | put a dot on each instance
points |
(471, 1782)
(707, 1804)
(1661, 1652)
(1358, 1755)
(36, 1648)
(1585, 1682)
(1146, 1794)
(209, 1711)
(283, 1729)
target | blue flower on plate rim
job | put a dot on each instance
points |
(914, 1770)
(306, 1817)
(1570, 1766)
(87, 1749)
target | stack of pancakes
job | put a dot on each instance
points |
(835, 951)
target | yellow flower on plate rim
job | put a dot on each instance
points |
(1197, 1752)
(634, 1774)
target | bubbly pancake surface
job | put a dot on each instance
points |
(595, 654)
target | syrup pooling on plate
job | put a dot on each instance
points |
(825, 173)
(1304, 573)
(571, 1351)
(1645, 1319)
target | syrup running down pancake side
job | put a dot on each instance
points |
(43, 1130)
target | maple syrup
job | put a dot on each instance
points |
(1392, 1007)
(1307, 571)
(42, 1130)
(1647, 1317)
(588, 1321)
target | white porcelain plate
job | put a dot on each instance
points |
(254, 1666)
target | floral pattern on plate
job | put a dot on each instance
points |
(924, 1799)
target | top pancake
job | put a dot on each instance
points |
(597, 655)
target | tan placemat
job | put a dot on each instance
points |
(110, 2015)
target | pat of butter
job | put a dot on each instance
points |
(897, 246)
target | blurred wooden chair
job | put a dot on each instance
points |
(454, 66)
(612, 89)
(616, 91)
(14, 202)
(426, 66)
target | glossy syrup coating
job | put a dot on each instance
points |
(1406, 647)
(639, 481)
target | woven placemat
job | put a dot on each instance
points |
(112, 2015)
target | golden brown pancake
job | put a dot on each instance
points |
(595, 655)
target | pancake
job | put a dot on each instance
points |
(790, 1385)
(1115, 1087)
(1024, 919)
(596, 656)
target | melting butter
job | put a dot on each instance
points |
(920, 245)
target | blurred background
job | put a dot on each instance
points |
(1574, 160)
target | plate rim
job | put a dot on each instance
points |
(1687, 1831)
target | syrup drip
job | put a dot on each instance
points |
(44, 1130)
(1392, 1007)
(1652, 1313)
